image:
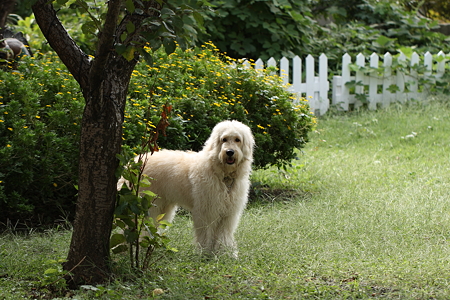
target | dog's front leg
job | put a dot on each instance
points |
(215, 236)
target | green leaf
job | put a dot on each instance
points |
(160, 217)
(116, 239)
(119, 224)
(129, 222)
(130, 27)
(166, 223)
(129, 53)
(155, 44)
(165, 12)
(129, 4)
(120, 249)
(408, 51)
(120, 48)
(135, 208)
(131, 237)
(50, 272)
(88, 27)
(393, 88)
(147, 57)
(145, 182)
(148, 193)
(383, 40)
(439, 58)
(123, 36)
(198, 17)
(62, 2)
(169, 46)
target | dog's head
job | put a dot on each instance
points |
(232, 142)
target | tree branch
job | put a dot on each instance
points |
(105, 43)
(71, 55)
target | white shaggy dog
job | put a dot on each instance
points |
(212, 184)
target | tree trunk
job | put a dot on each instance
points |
(104, 83)
(101, 138)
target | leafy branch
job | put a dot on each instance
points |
(137, 230)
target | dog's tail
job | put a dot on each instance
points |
(121, 182)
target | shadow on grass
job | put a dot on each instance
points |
(262, 194)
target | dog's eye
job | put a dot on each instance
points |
(237, 140)
(224, 140)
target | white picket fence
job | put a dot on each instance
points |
(375, 88)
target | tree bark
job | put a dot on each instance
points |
(104, 82)
(6, 7)
(101, 136)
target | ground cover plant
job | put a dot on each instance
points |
(363, 213)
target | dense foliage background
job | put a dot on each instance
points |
(41, 108)
(272, 28)
(40, 103)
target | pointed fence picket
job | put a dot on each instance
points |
(373, 87)
(309, 86)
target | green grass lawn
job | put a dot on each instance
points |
(363, 213)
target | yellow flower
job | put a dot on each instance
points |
(38, 117)
(8, 145)
(10, 129)
(5, 112)
(1, 121)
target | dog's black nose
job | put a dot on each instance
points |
(230, 152)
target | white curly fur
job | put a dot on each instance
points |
(212, 184)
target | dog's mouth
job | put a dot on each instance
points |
(230, 160)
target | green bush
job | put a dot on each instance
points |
(367, 26)
(40, 110)
(204, 89)
(260, 29)
(41, 107)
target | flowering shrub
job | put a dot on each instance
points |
(205, 88)
(41, 107)
(40, 111)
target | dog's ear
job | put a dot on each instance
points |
(212, 143)
(248, 144)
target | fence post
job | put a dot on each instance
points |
(272, 63)
(284, 70)
(413, 77)
(400, 95)
(387, 80)
(440, 69)
(259, 64)
(360, 78)
(341, 97)
(313, 103)
(323, 84)
(373, 82)
(297, 76)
